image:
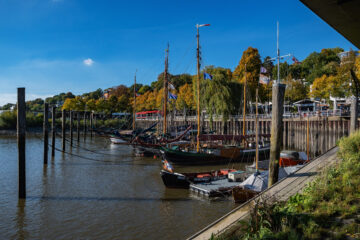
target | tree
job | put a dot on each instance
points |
(124, 104)
(295, 90)
(314, 65)
(122, 90)
(250, 58)
(216, 97)
(91, 105)
(144, 89)
(179, 80)
(102, 105)
(185, 98)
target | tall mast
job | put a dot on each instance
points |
(244, 110)
(198, 84)
(278, 53)
(165, 87)
(198, 88)
(134, 101)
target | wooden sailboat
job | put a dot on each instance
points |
(211, 154)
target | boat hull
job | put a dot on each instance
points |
(174, 180)
(192, 158)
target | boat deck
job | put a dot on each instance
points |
(214, 188)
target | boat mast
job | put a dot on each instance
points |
(165, 88)
(198, 84)
(244, 110)
(198, 88)
(134, 101)
(257, 130)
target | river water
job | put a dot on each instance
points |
(112, 195)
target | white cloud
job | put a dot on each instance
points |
(88, 62)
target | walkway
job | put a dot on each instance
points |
(282, 191)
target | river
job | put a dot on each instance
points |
(112, 195)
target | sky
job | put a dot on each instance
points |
(54, 46)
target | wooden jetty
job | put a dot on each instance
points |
(214, 188)
(280, 191)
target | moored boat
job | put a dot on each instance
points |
(173, 179)
(207, 156)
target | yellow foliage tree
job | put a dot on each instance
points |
(185, 98)
(251, 60)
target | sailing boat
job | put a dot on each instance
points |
(212, 154)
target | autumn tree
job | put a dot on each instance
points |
(185, 98)
(249, 69)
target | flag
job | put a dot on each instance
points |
(171, 86)
(137, 95)
(264, 79)
(263, 70)
(167, 166)
(172, 96)
(295, 60)
(208, 76)
(203, 25)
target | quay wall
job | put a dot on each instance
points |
(323, 131)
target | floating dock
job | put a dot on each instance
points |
(214, 188)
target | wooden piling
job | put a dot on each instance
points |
(353, 114)
(63, 129)
(278, 93)
(46, 132)
(91, 124)
(84, 126)
(78, 127)
(53, 130)
(71, 127)
(21, 127)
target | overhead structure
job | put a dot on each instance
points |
(342, 15)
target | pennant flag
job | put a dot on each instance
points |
(263, 70)
(203, 25)
(137, 95)
(264, 79)
(171, 86)
(208, 76)
(172, 96)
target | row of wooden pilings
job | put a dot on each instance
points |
(323, 131)
(21, 133)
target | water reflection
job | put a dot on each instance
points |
(21, 232)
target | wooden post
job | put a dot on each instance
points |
(353, 114)
(278, 92)
(53, 131)
(21, 127)
(63, 130)
(71, 128)
(308, 138)
(78, 126)
(91, 124)
(46, 132)
(84, 125)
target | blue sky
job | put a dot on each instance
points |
(53, 46)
